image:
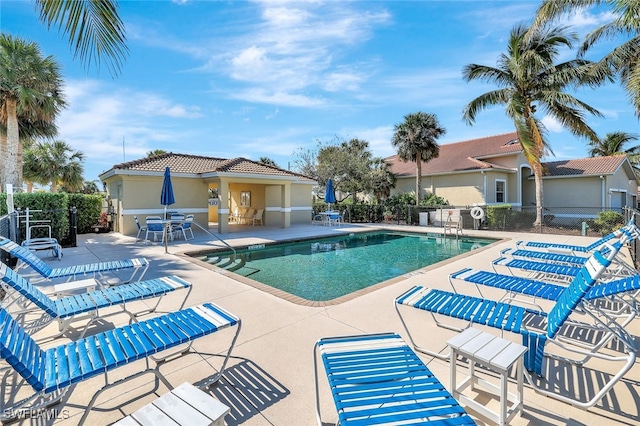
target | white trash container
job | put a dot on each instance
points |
(424, 218)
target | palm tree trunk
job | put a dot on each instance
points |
(418, 178)
(10, 169)
(3, 154)
(537, 173)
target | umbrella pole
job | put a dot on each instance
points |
(166, 234)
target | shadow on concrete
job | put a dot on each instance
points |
(247, 389)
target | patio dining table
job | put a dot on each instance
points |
(327, 215)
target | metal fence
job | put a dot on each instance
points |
(588, 221)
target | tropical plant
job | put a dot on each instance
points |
(94, 28)
(348, 164)
(382, 179)
(55, 163)
(624, 25)
(267, 162)
(614, 144)
(30, 88)
(529, 81)
(155, 152)
(415, 140)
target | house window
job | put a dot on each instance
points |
(245, 199)
(500, 186)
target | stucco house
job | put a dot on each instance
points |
(493, 170)
(210, 188)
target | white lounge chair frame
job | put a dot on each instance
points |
(53, 371)
(73, 272)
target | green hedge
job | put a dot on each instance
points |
(55, 210)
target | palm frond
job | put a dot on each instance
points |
(94, 29)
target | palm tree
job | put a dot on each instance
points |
(94, 29)
(156, 152)
(382, 179)
(55, 163)
(267, 161)
(623, 59)
(415, 140)
(528, 81)
(614, 144)
(30, 91)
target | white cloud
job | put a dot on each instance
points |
(262, 96)
(340, 81)
(379, 139)
(551, 124)
(99, 116)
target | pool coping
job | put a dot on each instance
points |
(188, 255)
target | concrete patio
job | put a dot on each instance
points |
(269, 380)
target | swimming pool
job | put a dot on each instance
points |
(328, 268)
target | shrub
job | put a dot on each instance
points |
(498, 215)
(607, 222)
(55, 210)
(89, 208)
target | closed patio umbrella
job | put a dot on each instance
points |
(330, 194)
(166, 196)
(166, 199)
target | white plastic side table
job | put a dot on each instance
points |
(496, 354)
(185, 405)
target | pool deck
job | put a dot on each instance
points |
(269, 380)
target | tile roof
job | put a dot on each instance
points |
(461, 156)
(585, 166)
(186, 163)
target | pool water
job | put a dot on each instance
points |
(328, 268)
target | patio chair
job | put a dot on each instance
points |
(141, 229)
(154, 226)
(334, 218)
(247, 215)
(538, 329)
(74, 272)
(51, 372)
(235, 217)
(184, 226)
(378, 379)
(258, 217)
(70, 308)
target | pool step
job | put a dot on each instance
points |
(225, 262)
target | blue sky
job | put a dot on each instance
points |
(266, 78)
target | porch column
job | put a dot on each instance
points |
(223, 208)
(285, 200)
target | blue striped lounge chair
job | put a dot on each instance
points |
(616, 298)
(74, 272)
(560, 267)
(51, 372)
(537, 329)
(23, 298)
(377, 379)
(575, 249)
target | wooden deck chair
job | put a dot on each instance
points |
(538, 329)
(51, 372)
(23, 298)
(377, 379)
(74, 272)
